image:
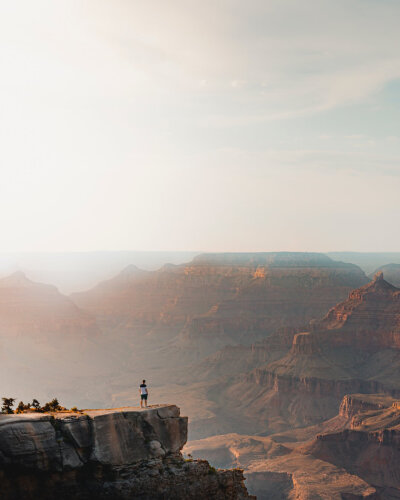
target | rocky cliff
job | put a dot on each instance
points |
(369, 319)
(353, 349)
(368, 446)
(120, 454)
(222, 299)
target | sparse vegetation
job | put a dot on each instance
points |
(8, 403)
(51, 406)
(35, 405)
(22, 407)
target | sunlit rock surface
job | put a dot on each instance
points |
(116, 453)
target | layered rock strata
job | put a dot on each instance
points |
(355, 455)
(120, 454)
(217, 300)
(355, 348)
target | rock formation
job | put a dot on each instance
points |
(355, 348)
(391, 272)
(121, 453)
(218, 300)
(355, 455)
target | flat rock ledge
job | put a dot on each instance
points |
(118, 453)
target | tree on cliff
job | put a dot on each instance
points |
(36, 405)
(8, 403)
(22, 407)
(52, 405)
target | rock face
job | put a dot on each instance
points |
(355, 455)
(222, 299)
(369, 319)
(355, 348)
(125, 453)
(368, 446)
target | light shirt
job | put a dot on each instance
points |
(143, 389)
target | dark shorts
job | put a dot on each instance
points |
(143, 396)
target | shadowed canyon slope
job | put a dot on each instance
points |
(354, 455)
(354, 348)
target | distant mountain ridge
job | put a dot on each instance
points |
(269, 259)
(369, 262)
(220, 299)
(28, 308)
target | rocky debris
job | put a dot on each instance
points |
(120, 454)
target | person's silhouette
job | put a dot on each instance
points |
(143, 394)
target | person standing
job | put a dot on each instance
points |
(143, 394)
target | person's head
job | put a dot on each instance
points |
(144, 381)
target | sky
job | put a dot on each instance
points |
(211, 126)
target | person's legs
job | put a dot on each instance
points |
(141, 402)
(145, 401)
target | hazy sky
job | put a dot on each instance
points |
(201, 125)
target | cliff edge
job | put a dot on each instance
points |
(119, 453)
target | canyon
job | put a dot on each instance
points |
(260, 350)
(354, 455)
(89, 347)
(354, 348)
